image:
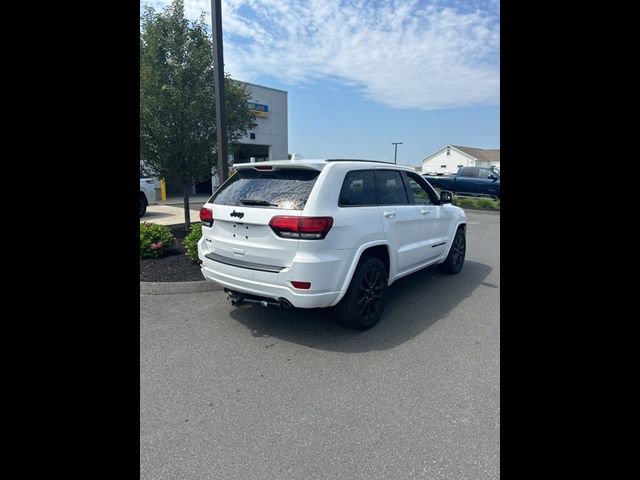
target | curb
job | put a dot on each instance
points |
(170, 288)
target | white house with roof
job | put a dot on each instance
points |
(450, 157)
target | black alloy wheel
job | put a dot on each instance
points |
(362, 305)
(455, 259)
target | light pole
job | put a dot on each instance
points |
(218, 76)
(395, 156)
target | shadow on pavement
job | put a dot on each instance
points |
(414, 304)
(154, 215)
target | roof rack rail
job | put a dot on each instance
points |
(357, 160)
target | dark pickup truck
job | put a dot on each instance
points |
(472, 181)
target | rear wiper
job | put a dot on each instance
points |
(251, 201)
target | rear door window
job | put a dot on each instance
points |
(286, 189)
(469, 172)
(390, 188)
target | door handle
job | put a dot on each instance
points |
(424, 212)
(389, 214)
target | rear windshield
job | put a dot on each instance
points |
(286, 189)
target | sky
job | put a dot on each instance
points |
(361, 74)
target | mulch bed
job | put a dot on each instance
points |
(173, 266)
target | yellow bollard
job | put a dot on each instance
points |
(163, 190)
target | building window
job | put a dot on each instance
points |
(448, 150)
(443, 166)
(460, 166)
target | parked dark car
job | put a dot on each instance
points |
(471, 181)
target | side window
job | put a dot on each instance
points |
(390, 188)
(469, 172)
(358, 188)
(485, 172)
(417, 192)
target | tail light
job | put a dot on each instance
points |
(303, 228)
(206, 216)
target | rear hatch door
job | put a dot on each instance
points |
(243, 208)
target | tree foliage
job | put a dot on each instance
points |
(177, 102)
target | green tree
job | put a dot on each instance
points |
(177, 103)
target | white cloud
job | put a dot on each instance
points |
(396, 52)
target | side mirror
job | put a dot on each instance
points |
(445, 197)
(492, 177)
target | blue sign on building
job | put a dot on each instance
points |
(260, 109)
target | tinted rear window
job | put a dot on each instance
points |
(286, 189)
(358, 188)
(469, 172)
(390, 188)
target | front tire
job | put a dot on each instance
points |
(143, 204)
(454, 261)
(362, 305)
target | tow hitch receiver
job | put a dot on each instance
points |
(238, 299)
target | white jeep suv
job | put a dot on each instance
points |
(323, 233)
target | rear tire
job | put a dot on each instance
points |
(454, 261)
(362, 305)
(143, 204)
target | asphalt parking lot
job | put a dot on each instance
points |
(239, 393)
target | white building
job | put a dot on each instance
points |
(450, 157)
(269, 140)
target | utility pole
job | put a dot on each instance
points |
(395, 156)
(218, 75)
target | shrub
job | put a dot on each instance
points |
(191, 242)
(485, 203)
(466, 202)
(155, 240)
(475, 202)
